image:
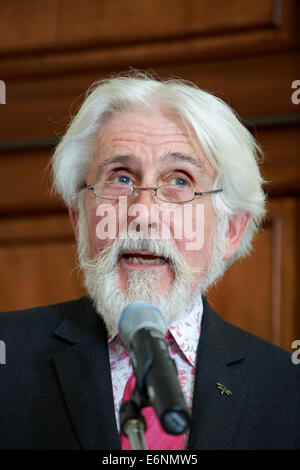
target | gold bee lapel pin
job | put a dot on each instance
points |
(224, 389)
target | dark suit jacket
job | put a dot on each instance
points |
(56, 390)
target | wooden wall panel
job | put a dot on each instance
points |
(40, 108)
(266, 300)
(38, 264)
(22, 230)
(73, 23)
(281, 162)
(224, 29)
(38, 274)
(26, 185)
(249, 306)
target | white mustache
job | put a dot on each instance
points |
(109, 257)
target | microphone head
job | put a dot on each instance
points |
(139, 315)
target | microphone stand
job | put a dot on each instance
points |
(132, 421)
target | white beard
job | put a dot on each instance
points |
(101, 276)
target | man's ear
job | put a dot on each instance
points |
(74, 214)
(236, 228)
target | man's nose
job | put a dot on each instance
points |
(143, 212)
(144, 195)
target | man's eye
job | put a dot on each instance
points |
(180, 182)
(123, 179)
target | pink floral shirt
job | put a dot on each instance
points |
(182, 339)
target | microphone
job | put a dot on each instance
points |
(142, 327)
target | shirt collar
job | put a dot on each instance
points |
(183, 335)
(186, 332)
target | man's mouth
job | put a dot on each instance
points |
(144, 258)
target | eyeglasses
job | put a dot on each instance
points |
(173, 193)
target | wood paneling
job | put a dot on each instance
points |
(24, 230)
(37, 262)
(38, 274)
(42, 107)
(249, 306)
(73, 23)
(281, 163)
(26, 185)
(265, 302)
(113, 33)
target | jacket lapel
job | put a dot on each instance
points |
(220, 385)
(83, 372)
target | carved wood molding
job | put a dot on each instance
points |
(194, 31)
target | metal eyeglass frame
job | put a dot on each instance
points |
(133, 188)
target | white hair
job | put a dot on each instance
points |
(228, 145)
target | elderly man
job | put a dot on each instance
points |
(163, 189)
